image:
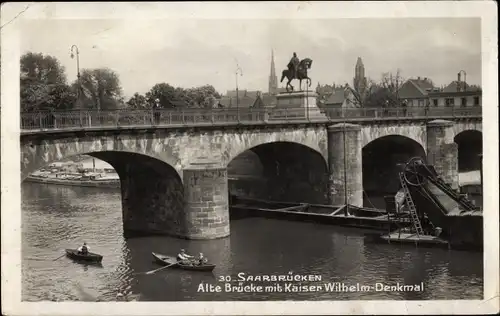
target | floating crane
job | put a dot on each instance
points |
(438, 214)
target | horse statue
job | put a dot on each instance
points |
(301, 74)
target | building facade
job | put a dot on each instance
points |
(416, 91)
(422, 93)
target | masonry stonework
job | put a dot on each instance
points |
(442, 151)
(164, 192)
(346, 136)
(206, 201)
(152, 195)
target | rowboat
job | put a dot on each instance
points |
(89, 257)
(169, 260)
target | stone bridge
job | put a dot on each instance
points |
(175, 180)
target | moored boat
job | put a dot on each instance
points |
(89, 257)
(402, 237)
(169, 260)
(344, 215)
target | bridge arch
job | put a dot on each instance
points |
(36, 153)
(314, 139)
(280, 171)
(380, 158)
(467, 125)
(470, 146)
(152, 192)
(416, 132)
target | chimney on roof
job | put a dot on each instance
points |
(418, 78)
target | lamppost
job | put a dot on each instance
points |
(77, 70)
(238, 72)
(465, 80)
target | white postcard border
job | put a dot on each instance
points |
(10, 150)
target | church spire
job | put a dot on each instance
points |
(273, 70)
(273, 79)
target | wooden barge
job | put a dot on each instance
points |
(343, 215)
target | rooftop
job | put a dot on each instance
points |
(337, 97)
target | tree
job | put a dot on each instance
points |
(203, 96)
(390, 84)
(163, 92)
(43, 84)
(100, 89)
(35, 67)
(379, 94)
(137, 101)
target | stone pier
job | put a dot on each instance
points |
(297, 105)
(152, 196)
(345, 172)
(206, 201)
(442, 151)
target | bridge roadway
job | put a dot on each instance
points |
(173, 163)
(41, 122)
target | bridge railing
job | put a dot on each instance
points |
(88, 119)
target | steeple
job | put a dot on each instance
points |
(359, 71)
(359, 63)
(359, 82)
(273, 79)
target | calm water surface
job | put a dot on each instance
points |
(57, 217)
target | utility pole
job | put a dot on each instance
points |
(75, 48)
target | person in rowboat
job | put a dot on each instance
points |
(202, 260)
(184, 258)
(84, 249)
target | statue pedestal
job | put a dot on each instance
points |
(298, 105)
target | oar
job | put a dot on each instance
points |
(59, 257)
(156, 270)
(40, 259)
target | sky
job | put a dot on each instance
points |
(194, 52)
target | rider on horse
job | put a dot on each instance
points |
(293, 65)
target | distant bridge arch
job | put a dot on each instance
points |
(415, 131)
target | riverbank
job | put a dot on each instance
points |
(97, 183)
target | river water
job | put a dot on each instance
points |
(57, 217)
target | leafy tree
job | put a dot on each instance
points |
(137, 101)
(100, 89)
(164, 93)
(43, 84)
(203, 96)
(36, 67)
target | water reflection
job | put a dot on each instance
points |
(55, 218)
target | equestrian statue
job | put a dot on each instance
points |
(296, 70)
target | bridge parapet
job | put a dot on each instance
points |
(98, 119)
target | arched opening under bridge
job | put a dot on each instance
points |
(151, 193)
(470, 146)
(280, 171)
(380, 166)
